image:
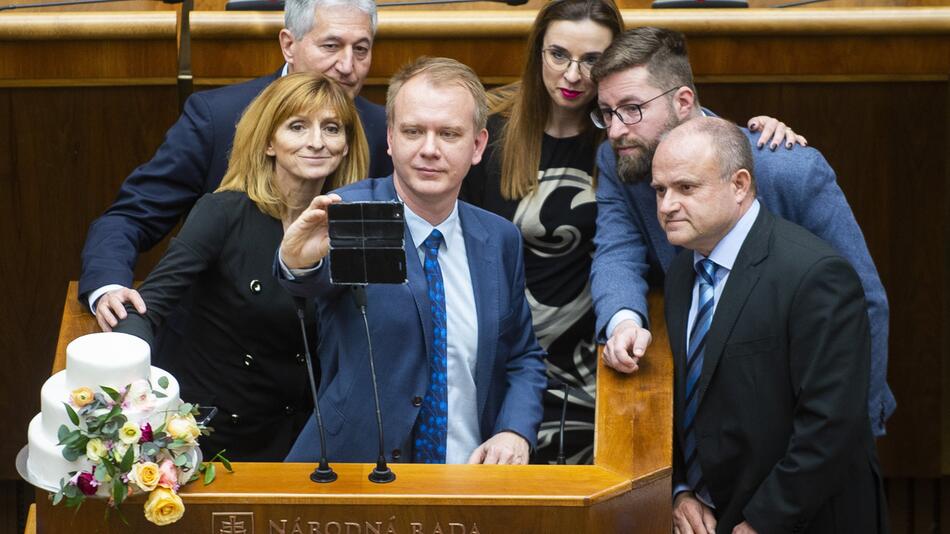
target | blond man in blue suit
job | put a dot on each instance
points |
(492, 373)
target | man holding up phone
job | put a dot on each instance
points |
(461, 372)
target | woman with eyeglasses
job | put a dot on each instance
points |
(538, 171)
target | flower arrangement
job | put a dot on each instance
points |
(121, 454)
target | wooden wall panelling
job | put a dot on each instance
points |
(891, 170)
(84, 98)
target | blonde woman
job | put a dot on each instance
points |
(243, 351)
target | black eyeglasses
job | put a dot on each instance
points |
(560, 61)
(628, 114)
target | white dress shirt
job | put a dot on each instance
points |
(461, 331)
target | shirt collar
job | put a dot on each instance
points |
(420, 229)
(727, 250)
(283, 71)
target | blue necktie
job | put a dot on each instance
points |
(432, 423)
(694, 368)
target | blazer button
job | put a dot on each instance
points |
(300, 359)
(288, 410)
(248, 359)
(417, 401)
(396, 454)
(234, 418)
(255, 286)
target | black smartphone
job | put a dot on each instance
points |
(366, 243)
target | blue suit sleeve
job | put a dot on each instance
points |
(806, 192)
(151, 200)
(620, 266)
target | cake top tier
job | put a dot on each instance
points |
(106, 359)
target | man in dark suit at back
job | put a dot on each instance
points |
(769, 331)
(332, 37)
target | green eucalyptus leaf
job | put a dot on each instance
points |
(71, 491)
(127, 459)
(113, 394)
(209, 474)
(119, 491)
(226, 463)
(177, 444)
(181, 460)
(73, 416)
(185, 409)
(71, 454)
(149, 449)
(159, 395)
(57, 497)
(109, 428)
(163, 382)
(109, 466)
(62, 433)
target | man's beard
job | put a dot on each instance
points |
(638, 167)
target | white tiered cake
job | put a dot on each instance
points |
(106, 359)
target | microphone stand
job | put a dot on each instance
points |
(381, 474)
(554, 383)
(323, 473)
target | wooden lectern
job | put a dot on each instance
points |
(626, 490)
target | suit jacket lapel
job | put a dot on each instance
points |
(418, 286)
(645, 199)
(680, 289)
(482, 258)
(742, 279)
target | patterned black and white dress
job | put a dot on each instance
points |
(557, 223)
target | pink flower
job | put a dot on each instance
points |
(146, 433)
(169, 475)
(87, 483)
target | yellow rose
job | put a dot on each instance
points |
(95, 450)
(145, 475)
(163, 507)
(183, 428)
(130, 433)
(82, 396)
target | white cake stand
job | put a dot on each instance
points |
(21, 459)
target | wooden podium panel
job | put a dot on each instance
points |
(627, 490)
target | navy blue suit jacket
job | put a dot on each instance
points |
(189, 163)
(509, 376)
(633, 253)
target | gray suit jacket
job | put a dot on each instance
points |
(632, 253)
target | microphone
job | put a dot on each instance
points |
(323, 473)
(554, 383)
(381, 474)
(278, 5)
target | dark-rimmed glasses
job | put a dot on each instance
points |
(628, 114)
(560, 61)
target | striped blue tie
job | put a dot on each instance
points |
(432, 422)
(694, 368)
